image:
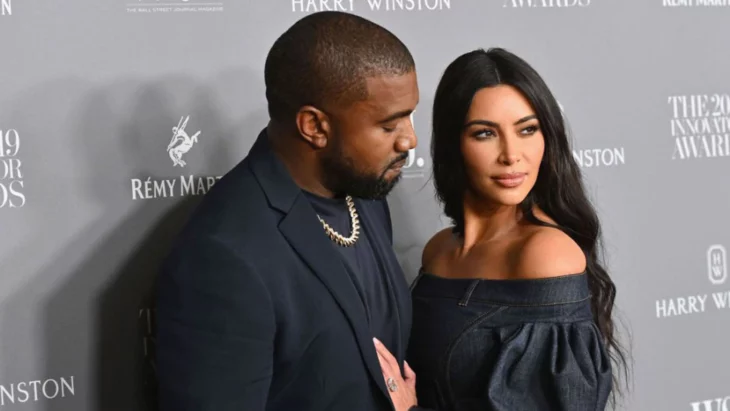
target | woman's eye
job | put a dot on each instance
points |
(483, 134)
(530, 130)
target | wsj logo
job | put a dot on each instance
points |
(181, 143)
(700, 303)
(718, 404)
(6, 8)
(414, 166)
(174, 6)
(700, 125)
(545, 3)
(313, 6)
(11, 174)
(717, 264)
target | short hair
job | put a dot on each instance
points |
(325, 58)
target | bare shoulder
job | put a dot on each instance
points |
(549, 252)
(436, 246)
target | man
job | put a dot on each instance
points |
(272, 296)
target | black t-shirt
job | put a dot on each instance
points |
(363, 266)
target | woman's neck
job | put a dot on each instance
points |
(485, 221)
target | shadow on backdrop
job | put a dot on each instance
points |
(97, 319)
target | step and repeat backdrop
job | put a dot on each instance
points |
(93, 188)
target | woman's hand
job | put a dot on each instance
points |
(402, 391)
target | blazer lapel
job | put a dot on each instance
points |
(393, 274)
(305, 234)
(303, 231)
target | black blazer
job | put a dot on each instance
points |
(255, 310)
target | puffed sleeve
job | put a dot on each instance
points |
(529, 367)
(548, 366)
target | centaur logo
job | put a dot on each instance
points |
(718, 404)
(181, 142)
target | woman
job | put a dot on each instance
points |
(512, 309)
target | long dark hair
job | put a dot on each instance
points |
(559, 189)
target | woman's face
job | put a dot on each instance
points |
(502, 145)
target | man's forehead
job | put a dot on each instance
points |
(392, 83)
(387, 91)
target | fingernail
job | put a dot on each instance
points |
(375, 340)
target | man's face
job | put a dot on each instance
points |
(370, 139)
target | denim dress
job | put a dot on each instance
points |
(507, 345)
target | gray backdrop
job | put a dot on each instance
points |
(90, 196)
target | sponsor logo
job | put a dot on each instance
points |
(415, 167)
(717, 264)
(38, 390)
(600, 157)
(313, 6)
(700, 303)
(190, 185)
(181, 142)
(597, 157)
(6, 8)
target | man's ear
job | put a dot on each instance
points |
(314, 126)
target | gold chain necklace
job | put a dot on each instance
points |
(339, 238)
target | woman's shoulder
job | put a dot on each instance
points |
(440, 242)
(546, 252)
(540, 252)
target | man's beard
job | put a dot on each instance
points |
(342, 178)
